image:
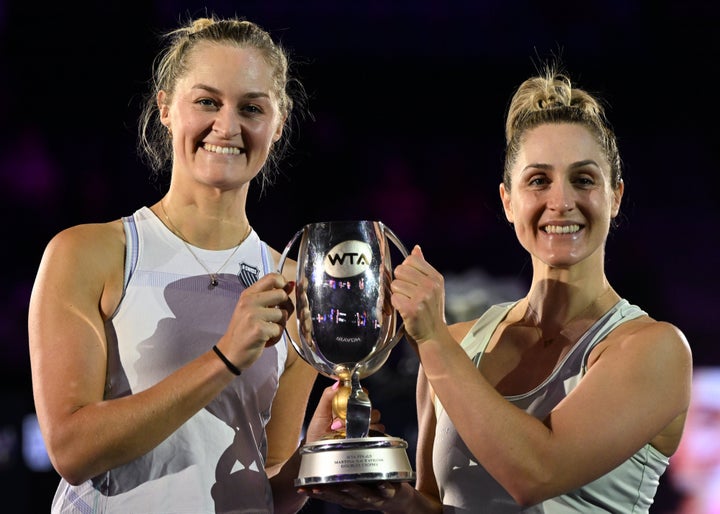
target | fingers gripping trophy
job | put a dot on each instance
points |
(347, 327)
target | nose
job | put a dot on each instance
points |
(227, 123)
(561, 197)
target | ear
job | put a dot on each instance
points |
(617, 198)
(507, 205)
(163, 108)
(279, 130)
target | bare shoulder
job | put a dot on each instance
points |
(653, 362)
(648, 348)
(645, 334)
(88, 237)
(92, 249)
(88, 257)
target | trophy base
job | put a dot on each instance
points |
(364, 459)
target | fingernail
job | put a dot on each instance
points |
(336, 424)
(336, 384)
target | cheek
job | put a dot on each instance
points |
(523, 213)
(524, 231)
(260, 134)
(599, 206)
(611, 202)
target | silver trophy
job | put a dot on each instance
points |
(347, 327)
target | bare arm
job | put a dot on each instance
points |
(284, 430)
(637, 388)
(424, 498)
(426, 483)
(78, 286)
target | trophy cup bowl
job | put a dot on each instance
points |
(347, 328)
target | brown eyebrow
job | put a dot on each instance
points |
(214, 90)
(582, 164)
(537, 166)
(579, 164)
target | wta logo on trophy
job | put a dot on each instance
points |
(348, 259)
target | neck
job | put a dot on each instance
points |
(212, 229)
(554, 305)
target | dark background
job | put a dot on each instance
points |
(408, 101)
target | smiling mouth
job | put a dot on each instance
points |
(561, 229)
(223, 150)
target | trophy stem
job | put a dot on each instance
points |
(357, 423)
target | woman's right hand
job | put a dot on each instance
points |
(259, 319)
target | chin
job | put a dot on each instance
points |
(561, 263)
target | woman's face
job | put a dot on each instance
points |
(561, 202)
(223, 115)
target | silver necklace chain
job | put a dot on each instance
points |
(213, 276)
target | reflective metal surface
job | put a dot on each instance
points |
(347, 328)
(369, 459)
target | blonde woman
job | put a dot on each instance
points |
(568, 400)
(163, 382)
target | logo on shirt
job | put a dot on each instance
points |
(248, 275)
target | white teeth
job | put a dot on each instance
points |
(565, 229)
(226, 150)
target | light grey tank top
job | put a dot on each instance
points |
(465, 486)
(215, 462)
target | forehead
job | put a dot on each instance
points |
(561, 142)
(226, 65)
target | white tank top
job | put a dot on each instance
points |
(215, 462)
(465, 486)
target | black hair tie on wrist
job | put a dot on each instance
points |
(232, 367)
